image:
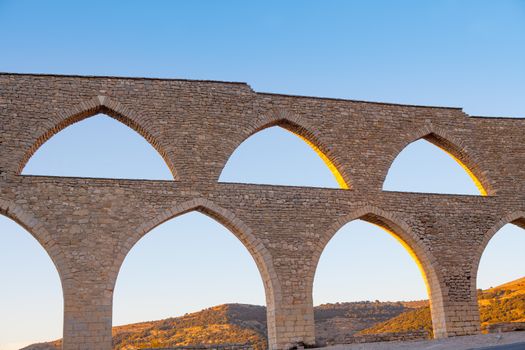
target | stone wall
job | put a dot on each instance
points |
(506, 327)
(210, 347)
(87, 226)
(383, 337)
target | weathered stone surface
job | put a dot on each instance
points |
(385, 337)
(89, 225)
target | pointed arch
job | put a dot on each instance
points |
(262, 257)
(89, 108)
(26, 220)
(402, 232)
(300, 128)
(517, 218)
(46, 242)
(456, 149)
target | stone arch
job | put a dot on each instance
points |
(400, 230)
(37, 230)
(262, 257)
(455, 148)
(517, 218)
(89, 108)
(26, 220)
(298, 126)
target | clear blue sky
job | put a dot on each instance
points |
(453, 53)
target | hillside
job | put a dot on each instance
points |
(223, 324)
(505, 303)
(241, 324)
(333, 322)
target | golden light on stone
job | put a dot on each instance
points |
(331, 166)
(474, 178)
(412, 254)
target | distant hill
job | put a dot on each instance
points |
(505, 303)
(223, 324)
(241, 324)
(334, 322)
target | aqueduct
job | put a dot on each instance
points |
(88, 226)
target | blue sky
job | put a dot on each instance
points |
(451, 53)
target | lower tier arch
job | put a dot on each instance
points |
(408, 239)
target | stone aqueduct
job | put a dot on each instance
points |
(87, 226)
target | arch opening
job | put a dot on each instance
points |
(272, 155)
(98, 146)
(382, 294)
(31, 300)
(432, 164)
(500, 278)
(213, 300)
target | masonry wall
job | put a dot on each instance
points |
(89, 225)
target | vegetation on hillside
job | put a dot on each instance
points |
(224, 324)
(505, 303)
(407, 321)
(334, 322)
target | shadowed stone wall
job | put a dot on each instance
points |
(87, 226)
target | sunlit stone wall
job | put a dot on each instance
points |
(88, 225)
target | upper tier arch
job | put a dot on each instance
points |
(456, 149)
(300, 128)
(86, 109)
